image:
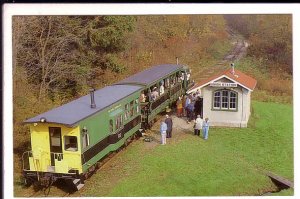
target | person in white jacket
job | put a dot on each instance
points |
(198, 125)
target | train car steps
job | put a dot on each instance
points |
(78, 184)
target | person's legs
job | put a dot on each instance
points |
(195, 131)
(164, 138)
(206, 133)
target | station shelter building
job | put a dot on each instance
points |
(226, 98)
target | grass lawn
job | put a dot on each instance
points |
(228, 163)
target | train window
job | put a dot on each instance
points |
(119, 121)
(85, 140)
(111, 126)
(55, 134)
(71, 143)
(131, 109)
(126, 115)
(167, 83)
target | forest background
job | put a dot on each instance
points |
(58, 58)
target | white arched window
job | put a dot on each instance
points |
(225, 100)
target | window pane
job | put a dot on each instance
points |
(232, 100)
(218, 93)
(225, 93)
(217, 102)
(232, 94)
(217, 99)
(224, 104)
(232, 105)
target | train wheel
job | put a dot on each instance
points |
(98, 165)
(86, 175)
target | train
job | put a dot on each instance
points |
(70, 142)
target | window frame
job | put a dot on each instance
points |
(223, 99)
(85, 140)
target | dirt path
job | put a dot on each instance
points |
(238, 51)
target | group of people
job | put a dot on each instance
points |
(167, 125)
(201, 124)
(189, 106)
(166, 129)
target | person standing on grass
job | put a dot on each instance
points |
(205, 127)
(163, 132)
(169, 123)
(198, 125)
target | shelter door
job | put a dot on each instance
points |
(201, 107)
(55, 143)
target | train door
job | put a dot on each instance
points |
(55, 143)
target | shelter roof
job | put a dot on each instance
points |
(236, 77)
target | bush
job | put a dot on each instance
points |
(276, 86)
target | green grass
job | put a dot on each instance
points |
(229, 163)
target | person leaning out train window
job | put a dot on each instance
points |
(161, 89)
(142, 97)
(154, 94)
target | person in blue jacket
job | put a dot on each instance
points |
(163, 132)
(205, 127)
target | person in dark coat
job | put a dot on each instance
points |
(197, 106)
(169, 123)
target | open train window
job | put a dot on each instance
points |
(119, 121)
(71, 143)
(126, 115)
(131, 108)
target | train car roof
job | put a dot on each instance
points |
(151, 75)
(73, 112)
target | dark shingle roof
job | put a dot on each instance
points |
(150, 75)
(79, 109)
